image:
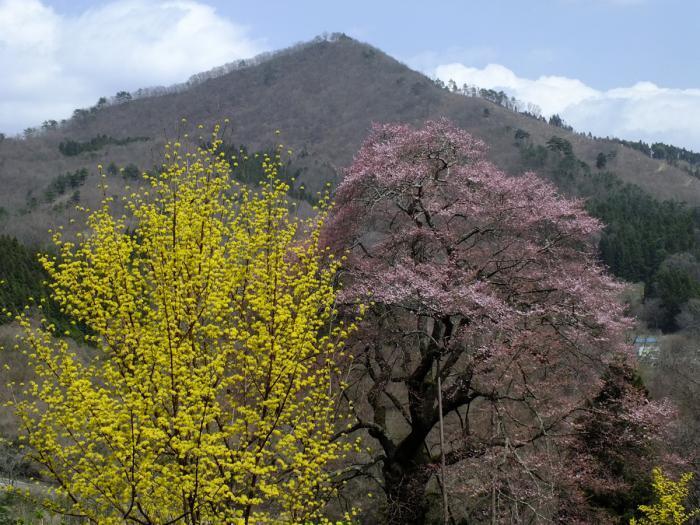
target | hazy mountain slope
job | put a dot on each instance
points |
(324, 97)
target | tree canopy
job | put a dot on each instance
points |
(487, 285)
(210, 396)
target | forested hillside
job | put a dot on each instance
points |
(323, 96)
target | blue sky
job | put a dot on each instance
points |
(619, 67)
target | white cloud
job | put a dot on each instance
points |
(52, 64)
(643, 111)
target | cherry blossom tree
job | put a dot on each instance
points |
(484, 284)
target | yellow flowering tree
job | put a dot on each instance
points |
(669, 507)
(211, 394)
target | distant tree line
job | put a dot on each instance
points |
(674, 155)
(72, 148)
(248, 168)
(556, 121)
(662, 151)
(645, 239)
(683, 158)
(500, 98)
(20, 273)
(57, 187)
(641, 231)
(129, 172)
(61, 184)
(22, 282)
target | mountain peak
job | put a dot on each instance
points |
(324, 95)
(320, 41)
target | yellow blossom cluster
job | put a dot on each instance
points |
(211, 395)
(669, 507)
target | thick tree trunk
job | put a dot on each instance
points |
(405, 486)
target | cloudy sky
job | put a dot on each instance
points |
(627, 68)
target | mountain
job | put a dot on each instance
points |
(323, 96)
